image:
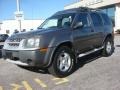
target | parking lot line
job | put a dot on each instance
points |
(55, 79)
(1, 88)
(60, 80)
(26, 85)
(15, 86)
(40, 83)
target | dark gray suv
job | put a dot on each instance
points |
(61, 39)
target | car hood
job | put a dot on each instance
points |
(34, 33)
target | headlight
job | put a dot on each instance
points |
(32, 43)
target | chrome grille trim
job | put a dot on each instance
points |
(14, 42)
(15, 39)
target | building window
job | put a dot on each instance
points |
(110, 11)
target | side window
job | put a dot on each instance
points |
(66, 21)
(106, 19)
(84, 18)
(97, 21)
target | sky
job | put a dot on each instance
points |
(33, 9)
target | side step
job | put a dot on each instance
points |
(89, 52)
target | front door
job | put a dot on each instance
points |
(82, 37)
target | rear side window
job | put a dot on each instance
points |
(106, 19)
(97, 21)
(84, 18)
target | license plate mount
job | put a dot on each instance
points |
(9, 55)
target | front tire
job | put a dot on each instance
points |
(63, 62)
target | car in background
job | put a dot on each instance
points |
(1, 46)
(3, 37)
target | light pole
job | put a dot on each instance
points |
(18, 14)
(18, 5)
(18, 10)
(0, 25)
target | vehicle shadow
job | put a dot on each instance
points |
(117, 45)
(81, 62)
(0, 54)
(35, 69)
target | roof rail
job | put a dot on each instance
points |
(88, 9)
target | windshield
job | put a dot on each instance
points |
(60, 21)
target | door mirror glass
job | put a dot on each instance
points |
(79, 25)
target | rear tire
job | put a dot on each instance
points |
(108, 47)
(63, 62)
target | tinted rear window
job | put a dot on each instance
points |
(84, 18)
(97, 21)
(106, 19)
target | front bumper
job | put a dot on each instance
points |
(17, 62)
(34, 58)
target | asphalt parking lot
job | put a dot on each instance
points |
(97, 73)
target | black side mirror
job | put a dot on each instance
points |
(79, 25)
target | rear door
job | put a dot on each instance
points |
(98, 28)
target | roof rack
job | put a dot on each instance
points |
(88, 9)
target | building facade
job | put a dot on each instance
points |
(110, 7)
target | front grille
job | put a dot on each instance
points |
(14, 42)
